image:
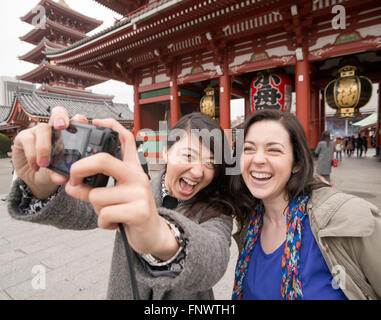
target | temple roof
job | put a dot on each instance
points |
(38, 104)
(88, 24)
(74, 92)
(167, 28)
(153, 8)
(45, 70)
(123, 6)
(37, 54)
(36, 35)
(4, 112)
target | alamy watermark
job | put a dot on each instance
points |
(39, 20)
(339, 20)
(339, 275)
(222, 148)
(39, 279)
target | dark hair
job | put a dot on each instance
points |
(326, 136)
(301, 181)
(214, 198)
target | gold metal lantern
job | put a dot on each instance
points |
(348, 92)
(209, 104)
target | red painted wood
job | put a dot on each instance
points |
(175, 101)
(302, 90)
(137, 111)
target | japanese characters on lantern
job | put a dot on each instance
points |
(271, 90)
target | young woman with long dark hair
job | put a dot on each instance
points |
(179, 224)
(299, 238)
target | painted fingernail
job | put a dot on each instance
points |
(60, 123)
(44, 161)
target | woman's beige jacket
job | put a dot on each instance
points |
(347, 230)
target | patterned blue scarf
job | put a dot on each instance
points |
(291, 288)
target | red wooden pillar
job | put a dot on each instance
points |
(322, 114)
(175, 101)
(137, 111)
(378, 126)
(302, 90)
(247, 106)
(225, 95)
(315, 121)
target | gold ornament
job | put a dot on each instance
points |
(208, 104)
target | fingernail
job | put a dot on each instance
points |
(60, 123)
(44, 161)
(79, 117)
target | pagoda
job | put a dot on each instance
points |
(57, 26)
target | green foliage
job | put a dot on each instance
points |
(5, 145)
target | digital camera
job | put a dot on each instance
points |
(79, 141)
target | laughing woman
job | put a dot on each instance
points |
(179, 225)
(299, 238)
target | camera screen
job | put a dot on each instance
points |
(68, 147)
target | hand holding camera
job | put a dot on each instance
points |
(31, 155)
(129, 202)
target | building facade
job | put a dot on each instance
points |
(172, 50)
(9, 87)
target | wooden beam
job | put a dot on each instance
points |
(166, 97)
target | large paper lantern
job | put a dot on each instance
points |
(348, 92)
(271, 90)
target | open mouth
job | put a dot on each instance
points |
(261, 177)
(187, 186)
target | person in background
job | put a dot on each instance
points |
(324, 152)
(365, 143)
(297, 237)
(373, 141)
(339, 148)
(346, 146)
(359, 146)
(354, 144)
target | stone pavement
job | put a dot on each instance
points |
(77, 263)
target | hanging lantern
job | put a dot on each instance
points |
(348, 93)
(208, 104)
(271, 90)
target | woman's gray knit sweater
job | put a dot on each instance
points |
(206, 253)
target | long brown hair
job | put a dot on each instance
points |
(301, 182)
(214, 199)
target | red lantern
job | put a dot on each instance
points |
(271, 90)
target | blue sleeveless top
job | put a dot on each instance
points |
(264, 277)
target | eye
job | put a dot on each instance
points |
(208, 164)
(248, 149)
(274, 150)
(187, 157)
